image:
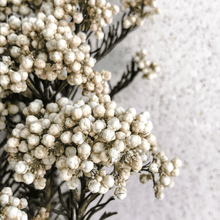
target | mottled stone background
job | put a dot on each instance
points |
(184, 102)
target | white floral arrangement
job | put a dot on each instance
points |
(91, 144)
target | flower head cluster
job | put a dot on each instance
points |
(100, 14)
(97, 13)
(43, 215)
(81, 138)
(42, 45)
(49, 48)
(62, 9)
(137, 8)
(5, 110)
(150, 69)
(18, 6)
(165, 170)
(10, 79)
(97, 82)
(10, 206)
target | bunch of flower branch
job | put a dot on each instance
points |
(92, 145)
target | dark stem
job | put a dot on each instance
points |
(111, 39)
(126, 78)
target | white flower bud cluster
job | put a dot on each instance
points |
(49, 48)
(78, 137)
(10, 79)
(5, 110)
(100, 15)
(166, 169)
(7, 7)
(150, 69)
(43, 215)
(138, 8)
(97, 82)
(62, 9)
(10, 206)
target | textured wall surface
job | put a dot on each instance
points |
(184, 105)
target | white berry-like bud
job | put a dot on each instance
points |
(78, 17)
(153, 167)
(14, 201)
(167, 166)
(119, 145)
(79, 56)
(176, 162)
(40, 152)
(13, 109)
(127, 23)
(59, 12)
(165, 180)
(7, 191)
(65, 175)
(159, 194)
(86, 110)
(175, 172)
(48, 140)
(114, 153)
(12, 212)
(23, 203)
(3, 68)
(76, 66)
(40, 63)
(15, 52)
(13, 142)
(90, 62)
(48, 34)
(70, 57)
(4, 200)
(108, 135)
(86, 166)
(145, 145)
(84, 150)
(108, 181)
(103, 189)
(62, 45)
(73, 162)
(99, 35)
(3, 41)
(98, 126)
(57, 57)
(94, 186)
(85, 124)
(73, 183)
(21, 167)
(36, 127)
(27, 63)
(28, 178)
(66, 137)
(121, 193)
(99, 111)
(134, 140)
(76, 113)
(114, 124)
(78, 138)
